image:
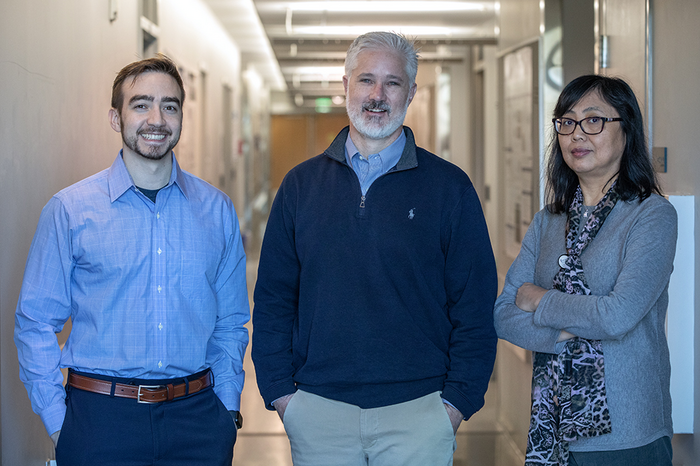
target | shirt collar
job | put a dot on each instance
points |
(389, 156)
(120, 180)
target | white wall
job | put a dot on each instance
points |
(676, 101)
(519, 22)
(192, 36)
(57, 64)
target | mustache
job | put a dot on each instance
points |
(156, 129)
(376, 105)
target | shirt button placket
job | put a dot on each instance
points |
(160, 280)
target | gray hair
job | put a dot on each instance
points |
(384, 40)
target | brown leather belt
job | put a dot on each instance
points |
(141, 393)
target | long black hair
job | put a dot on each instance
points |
(636, 178)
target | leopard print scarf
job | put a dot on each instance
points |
(568, 389)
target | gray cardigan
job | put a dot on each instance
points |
(627, 267)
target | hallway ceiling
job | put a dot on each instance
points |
(299, 46)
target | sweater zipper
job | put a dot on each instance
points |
(362, 212)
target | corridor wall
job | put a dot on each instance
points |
(675, 103)
(57, 64)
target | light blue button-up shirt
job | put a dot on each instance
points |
(370, 168)
(154, 290)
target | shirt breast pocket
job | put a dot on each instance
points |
(198, 266)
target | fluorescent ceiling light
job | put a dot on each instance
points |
(432, 31)
(314, 73)
(328, 70)
(370, 6)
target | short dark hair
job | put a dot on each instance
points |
(157, 64)
(636, 178)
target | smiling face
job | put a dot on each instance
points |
(594, 158)
(150, 119)
(378, 93)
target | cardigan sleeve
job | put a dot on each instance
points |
(512, 323)
(647, 262)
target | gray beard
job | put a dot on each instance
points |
(368, 129)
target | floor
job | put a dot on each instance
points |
(263, 442)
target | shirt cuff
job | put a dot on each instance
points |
(450, 404)
(276, 400)
(53, 417)
(231, 398)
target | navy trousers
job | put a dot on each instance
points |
(657, 453)
(101, 430)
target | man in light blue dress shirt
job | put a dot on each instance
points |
(147, 262)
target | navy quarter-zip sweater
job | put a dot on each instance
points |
(380, 299)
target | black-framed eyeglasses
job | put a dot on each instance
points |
(590, 125)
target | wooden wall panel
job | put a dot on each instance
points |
(296, 138)
(288, 147)
(327, 128)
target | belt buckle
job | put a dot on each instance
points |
(147, 387)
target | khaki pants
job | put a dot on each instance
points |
(325, 432)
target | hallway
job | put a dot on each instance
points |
(263, 442)
(483, 104)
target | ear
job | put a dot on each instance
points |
(345, 84)
(412, 93)
(115, 120)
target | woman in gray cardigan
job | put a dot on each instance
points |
(589, 289)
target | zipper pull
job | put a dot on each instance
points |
(362, 202)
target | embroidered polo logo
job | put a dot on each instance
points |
(411, 213)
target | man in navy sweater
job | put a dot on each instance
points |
(373, 331)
